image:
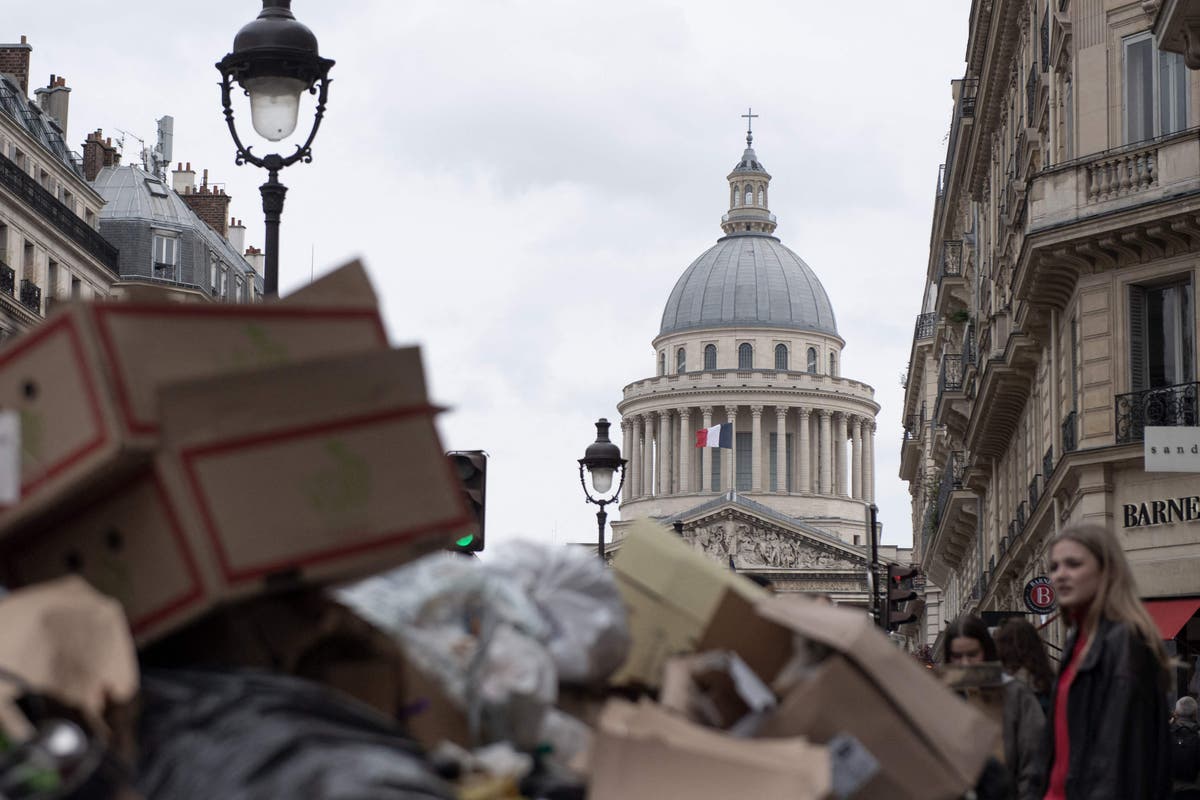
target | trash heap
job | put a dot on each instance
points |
(222, 534)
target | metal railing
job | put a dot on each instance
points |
(1031, 90)
(31, 296)
(1048, 464)
(1046, 40)
(1069, 432)
(925, 325)
(952, 477)
(950, 379)
(1034, 494)
(1167, 406)
(970, 356)
(951, 258)
(47, 206)
(8, 279)
(913, 425)
(1020, 518)
(970, 87)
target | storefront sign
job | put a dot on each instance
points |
(1175, 449)
(1039, 595)
(1162, 512)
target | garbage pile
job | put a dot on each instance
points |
(222, 533)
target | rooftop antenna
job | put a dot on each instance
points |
(164, 149)
(121, 143)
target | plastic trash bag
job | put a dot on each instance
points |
(254, 736)
(587, 629)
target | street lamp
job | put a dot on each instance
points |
(602, 458)
(274, 60)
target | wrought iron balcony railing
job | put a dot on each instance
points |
(1031, 89)
(952, 258)
(1069, 426)
(31, 296)
(951, 377)
(970, 88)
(1048, 464)
(1034, 494)
(49, 208)
(925, 325)
(952, 478)
(1167, 406)
(1046, 40)
(8, 279)
(1020, 520)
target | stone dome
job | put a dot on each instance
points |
(749, 280)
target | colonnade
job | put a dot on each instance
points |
(833, 452)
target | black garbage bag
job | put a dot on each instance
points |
(246, 735)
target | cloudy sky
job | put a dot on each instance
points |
(527, 179)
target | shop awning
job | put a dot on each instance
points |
(1171, 615)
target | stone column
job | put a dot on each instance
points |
(824, 473)
(635, 456)
(627, 452)
(839, 434)
(870, 456)
(648, 456)
(756, 449)
(729, 468)
(685, 448)
(804, 451)
(705, 455)
(781, 449)
(856, 465)
(664, 452)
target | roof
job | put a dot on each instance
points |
(131, 192)
(749, 280)
(37, 123)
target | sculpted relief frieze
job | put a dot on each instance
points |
(750, 546)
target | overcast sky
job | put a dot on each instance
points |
(526, 180)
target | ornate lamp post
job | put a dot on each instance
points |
(602, 458)
(274, 60)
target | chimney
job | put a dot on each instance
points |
(53, 100)
(237, 235)
(255, 258)
(14, 62)
(183, 180)
(98, 153)
(210, 204)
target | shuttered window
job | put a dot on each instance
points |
(1161, 335)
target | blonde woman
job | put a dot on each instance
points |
(1108, 715)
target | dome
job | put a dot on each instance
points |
(749, 280)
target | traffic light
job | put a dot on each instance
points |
(903, 605)
(471, 468)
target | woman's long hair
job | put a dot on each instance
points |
(1116, 598)
(1020, 647)
(969, 626)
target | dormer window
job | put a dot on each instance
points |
(166, 256)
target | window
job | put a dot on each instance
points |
(1155, 90)
(662, 363)
(166, 256)
(857, 540)
(744, 451)
(76, 286)
(238, 290)
(710, 356)
(3, 243)
(745, 356)
(212, 268)
(68, 200)
(680, 361)
(774, 457)
(762, 197)
(90, 217)
(812, 361)
(749, 196)
(737, 196)
(832, 365)
(223, 289)
(1161, 335)
(715, 454)
(781, 356)
(27, 261)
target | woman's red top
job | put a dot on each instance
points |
(1062, 746)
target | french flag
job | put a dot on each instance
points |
(716, 436)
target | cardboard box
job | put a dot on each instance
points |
(644, 752)
(85, 382)
(671, 592)
(307, 474)
(929, 743)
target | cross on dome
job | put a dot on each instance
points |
(749, 116)
(748, 190)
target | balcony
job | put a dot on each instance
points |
(1168, 406)
(31, 296)
(1048, 465)
(1034, 493)
(951, 260)
(910, 445)
(8, 280)
(925, 326)
(949, 532)
(47, 206)
(1070, 430)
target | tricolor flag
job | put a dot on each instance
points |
(716, 436)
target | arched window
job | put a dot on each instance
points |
(833, 365)
(680, 361)
(781, 356)
(710, 356)
(762, 197)
(745, 356)
(662, 363)
(749, 195)
(812, 361)
(737, 196)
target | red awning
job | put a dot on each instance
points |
(1171, 615)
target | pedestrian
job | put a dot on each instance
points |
(1185, 751)
(1108, 722)
(967, 641)
(1023, 655)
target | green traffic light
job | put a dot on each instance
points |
(465, 541)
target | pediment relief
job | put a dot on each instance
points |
(751, 543)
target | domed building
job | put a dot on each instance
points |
(749, 337)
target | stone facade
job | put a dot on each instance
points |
(1058, 312)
